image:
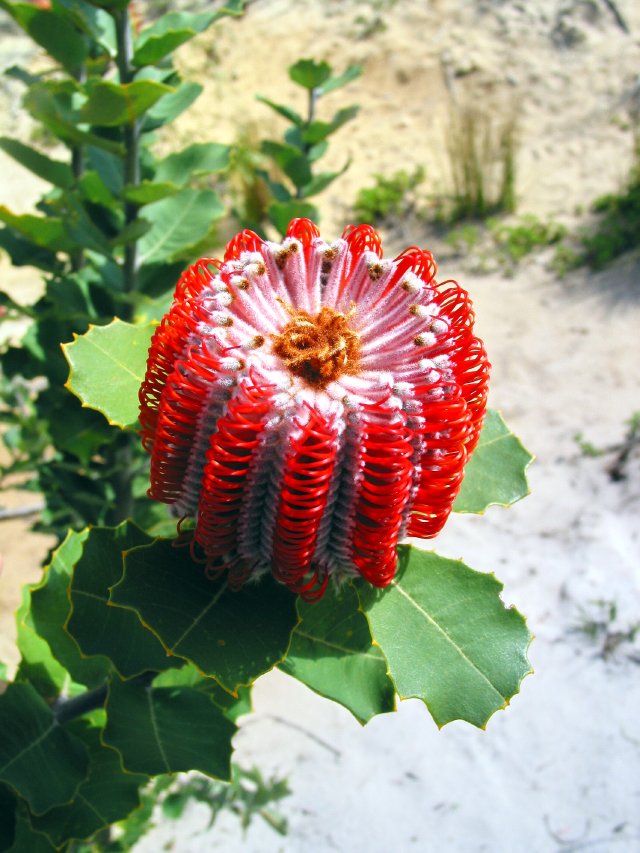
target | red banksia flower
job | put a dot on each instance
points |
(311, 404)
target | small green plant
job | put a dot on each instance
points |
(389, 196)
(482, 160)
(292, 179)
(248, 795)
(598, 624)
(618, 230)
(463, 237)
(528, 233)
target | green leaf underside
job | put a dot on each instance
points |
(177, 728)
(37, 664)
(331, 652)
(108, 364)
(496, 472)
(231, 636)
(38, 758)
(56, 172)
(447, 637)
(198, 159)
(107, 795)
(50, 607)
(178, 223)
(99, 628)
(113, 104)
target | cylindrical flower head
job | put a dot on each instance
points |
(311, 404)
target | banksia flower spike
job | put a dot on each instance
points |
(311, 404)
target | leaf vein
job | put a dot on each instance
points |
(449, 638)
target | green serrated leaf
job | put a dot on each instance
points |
(111, 631)
(496, 472)
(167, 729)
(332, 653)
(50, 608)
(57, 173)
(168, 33)
(231, 636)
(107, 366)
(309, 73)
(51, 31)
(190, 676)
(114, 104)
(38, 758)
(26, 839)
(177, 224)
(201, 158)
(447, 637)
(107, 795)
(8, 805)
(37, 664)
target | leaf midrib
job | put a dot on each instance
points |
(449, 639)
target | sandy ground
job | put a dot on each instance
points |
(559, 770)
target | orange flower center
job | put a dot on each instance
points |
(318, 349)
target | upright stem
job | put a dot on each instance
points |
(311, 112)
(77, 167)
(123, 452)
(132, 151)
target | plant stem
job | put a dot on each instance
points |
(77, 167)
(123, 453)
(68, 709)
(311, 112)
(131, 141)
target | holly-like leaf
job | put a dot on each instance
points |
(201, 158)
(57, 173)
(331, 652)
(26, 839)
(107, 794)
(111, 631)
(113, 104)
(8, 805)
(231, 636)
(167, 729)
(190, 676)
(496, 472)
(38, 758)
(178, 223)
(50, 608)
(447, 637)
(37, 664)
(107, 366)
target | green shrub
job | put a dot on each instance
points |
(389, 196)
